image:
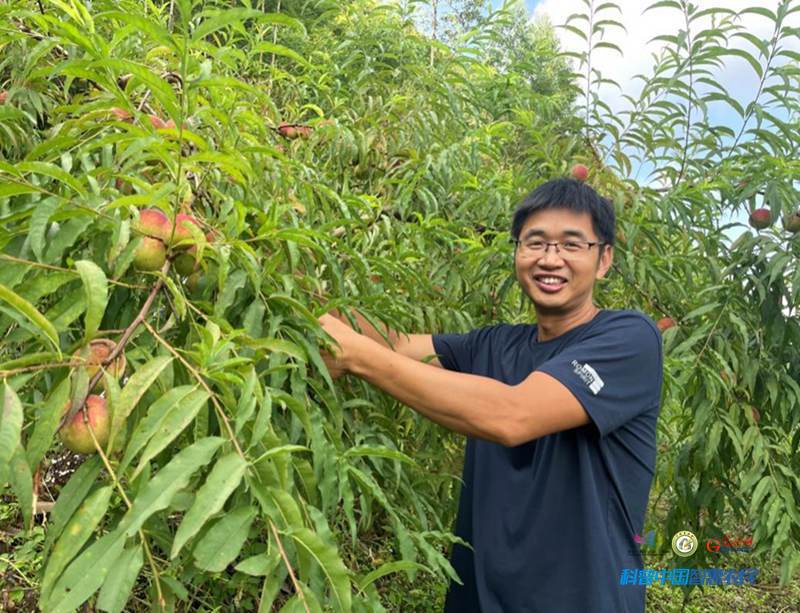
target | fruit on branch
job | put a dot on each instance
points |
(75, 434)
(580, 172)
(153, 222)
(3, 96)
(160, 124)
(121, 114)
(792, 222)
(183, 235)
(185, 264)
(294, 130)
(99, 350)
(760, 218)
(665, 323)
(150, 254)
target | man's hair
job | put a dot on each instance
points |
(572, 195)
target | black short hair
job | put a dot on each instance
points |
(572, 195)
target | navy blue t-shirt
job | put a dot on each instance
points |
(552, 521)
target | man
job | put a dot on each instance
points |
(560, 418)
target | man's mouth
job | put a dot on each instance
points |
(550, 283)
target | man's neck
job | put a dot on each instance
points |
(550, 326)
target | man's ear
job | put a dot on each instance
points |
(607, 255)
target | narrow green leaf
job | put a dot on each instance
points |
(22, 484)
(220, 484)
(327, 557)
(38, 225)
(46, 423)
(86, 574)
(387, 569)
(221, 544)
(174, 421)
(158, 492)
(148, 426)
(119, 583)
(71, 497)
(74, 537)
(30, 312)
(10, 429)
(54, 172)
(96, 286)
(133, 391)
(259, 565)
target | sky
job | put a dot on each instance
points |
(737, 76)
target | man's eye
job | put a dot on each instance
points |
(572, 245)
(535, 245)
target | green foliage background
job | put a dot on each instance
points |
(234, 457)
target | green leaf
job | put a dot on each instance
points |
(133, 391)
(327, 557)
(74, 537)
(71, 496)
(216, 19)
(96, 286)
(267, 47)
(86, 574)
(46, 423)
(30, 312)
(10, 429)
(54, 172)
(173, 422)
(158, 492)
(148, 426)
(22, 484)
(387, 569)
(220, 484)
(38, 225)
(260, 565)
(120, 581)
(221, 544)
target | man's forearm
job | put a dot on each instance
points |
(368, 330)
(470, 404)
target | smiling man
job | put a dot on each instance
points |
(560, 418)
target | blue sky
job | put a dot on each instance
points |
(737, 76)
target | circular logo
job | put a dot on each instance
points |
(684, 543)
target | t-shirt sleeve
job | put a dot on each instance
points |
(615, 372)
(457, 351)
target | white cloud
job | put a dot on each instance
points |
(737, 76)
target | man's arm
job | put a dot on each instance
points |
(415, 346)
(470, 404)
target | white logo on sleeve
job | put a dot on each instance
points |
(589, 376)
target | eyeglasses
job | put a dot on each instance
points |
(566, 249)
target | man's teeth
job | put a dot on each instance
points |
(551, 280)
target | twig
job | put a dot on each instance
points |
(297, 588)
(140, 318)
(199, 377)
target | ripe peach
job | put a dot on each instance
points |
(153, 222)
(3, 96)
(665, 323)
(75, 433)
(792, 222)
(150, 254)
(158, 123)
(580, 172)
(760, 218)
(182, 232)
(121, 114)
(99, 350)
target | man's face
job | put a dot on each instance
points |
(578, 270)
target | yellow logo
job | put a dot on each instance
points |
(684, 543)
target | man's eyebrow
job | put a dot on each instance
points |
(567, 232)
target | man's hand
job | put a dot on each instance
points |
(348, 342)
